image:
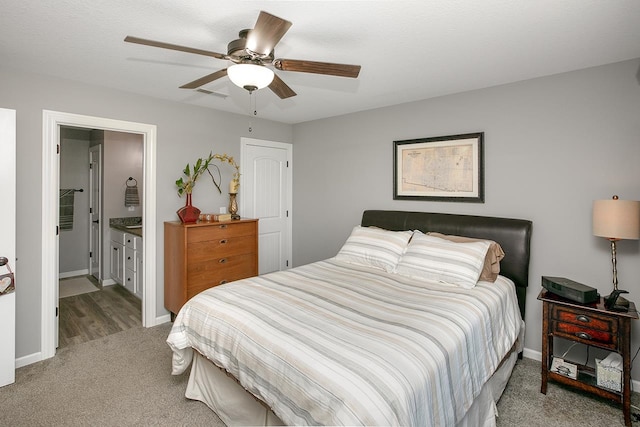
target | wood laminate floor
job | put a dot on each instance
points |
(95, 315)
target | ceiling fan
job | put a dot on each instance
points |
(253, 54)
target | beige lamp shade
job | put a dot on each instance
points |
(616, 219)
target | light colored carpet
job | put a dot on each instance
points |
(125, 380)
(76, 286)
(522, 404)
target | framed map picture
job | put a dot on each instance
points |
(444, 168)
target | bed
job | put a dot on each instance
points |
(339, 342)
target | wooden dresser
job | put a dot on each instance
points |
(206, 254)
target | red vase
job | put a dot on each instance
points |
(188, 213)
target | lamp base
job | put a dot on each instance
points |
(622, 301)
(616, 302)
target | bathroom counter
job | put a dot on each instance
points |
(131, 225)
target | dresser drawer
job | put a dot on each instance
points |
(585, 320)
(220, 231)
(595, 336)
(129, 258)
(134, 242)
(223, 269)
(220, 248)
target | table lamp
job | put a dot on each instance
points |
(615, 220)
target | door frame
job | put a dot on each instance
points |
(51, 122)
(288, 147)
(92, 197)
(8, 244)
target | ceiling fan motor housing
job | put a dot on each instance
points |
(237, 51)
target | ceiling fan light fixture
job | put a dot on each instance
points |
(250, 76)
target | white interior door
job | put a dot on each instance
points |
(8, 244)
(95, 212)
(265, 193)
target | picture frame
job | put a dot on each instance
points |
(443, 168)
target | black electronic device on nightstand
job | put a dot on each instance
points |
(571, 290)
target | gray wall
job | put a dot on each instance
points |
(74, 173)
(122, 157)
(184, 133)
(552, 146)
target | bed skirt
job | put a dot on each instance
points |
(237, 407)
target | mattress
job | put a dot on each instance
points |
(339, 344)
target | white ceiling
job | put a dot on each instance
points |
(409, 50)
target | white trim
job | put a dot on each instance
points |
(8, 244)
(163, 319)
(532, 354)
(73, 273)
(109, 282)
(28, 359)
(51, 122)
(289, 149)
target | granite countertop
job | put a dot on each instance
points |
(131, 225)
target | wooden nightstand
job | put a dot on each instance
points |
(593, 325)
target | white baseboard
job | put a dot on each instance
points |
(109, 282)
(73, 273)
(162, 319)
(28, 360)
(532, 354)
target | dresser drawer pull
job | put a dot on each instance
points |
(222, 260)
(223, 225)
(223, 241)
(583, 335)
(222, 282)
(583, 319)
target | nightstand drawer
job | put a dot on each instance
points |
(585, 319)
(595, 336)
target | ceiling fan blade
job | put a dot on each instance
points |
(341, 70)
(163, 45)
(266, 34)
(280, 88)
(204, 80)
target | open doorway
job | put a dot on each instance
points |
(96, 167)
(52, 123)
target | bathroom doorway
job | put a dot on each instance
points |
(52, 123)
(92, 303)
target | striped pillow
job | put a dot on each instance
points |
(374, 247)
(433, 258)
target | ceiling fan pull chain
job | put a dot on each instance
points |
(250, 103)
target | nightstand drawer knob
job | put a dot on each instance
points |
(583, 319)
(223, 241)
(222, 260)
(583, 335)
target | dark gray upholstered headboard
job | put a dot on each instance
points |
(514, 235)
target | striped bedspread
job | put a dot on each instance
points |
(331, 343)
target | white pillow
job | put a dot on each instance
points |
(374, 247)
(433, 258)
